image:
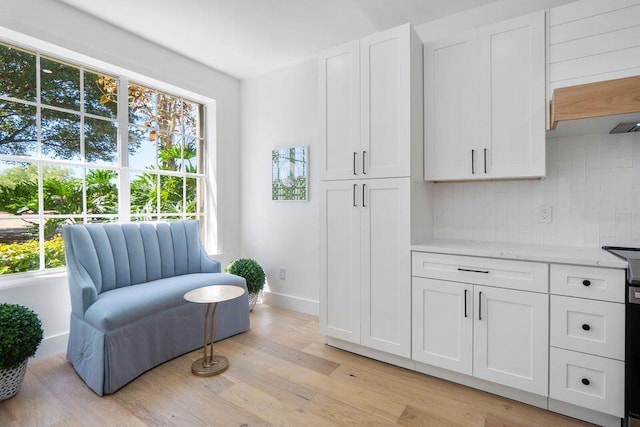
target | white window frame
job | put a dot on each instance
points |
(206, 156)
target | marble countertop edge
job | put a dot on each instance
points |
(584, 256)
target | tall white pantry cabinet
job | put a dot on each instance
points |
(370, 104)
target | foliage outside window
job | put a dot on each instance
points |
(61, 159)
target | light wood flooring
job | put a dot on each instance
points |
(280, 373)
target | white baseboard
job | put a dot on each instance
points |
(480, 384)
(291, 302)
(53, 345)
(586, 414)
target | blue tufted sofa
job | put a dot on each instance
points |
(127, 283)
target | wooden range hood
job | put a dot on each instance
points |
(606, 98)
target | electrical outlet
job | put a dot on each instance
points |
(283, 273)
(544, 214)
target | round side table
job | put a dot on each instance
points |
(211, 364)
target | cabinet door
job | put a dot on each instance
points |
(512, 97)
(450, 88)
(340, 260)
(386, 103)
(339, 108)
(386, 266)
(443, 324)
(511, 338)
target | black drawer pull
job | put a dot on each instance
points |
(480, 305)
(585, 381)
(586, 282)
(474, 271)
(586, 327)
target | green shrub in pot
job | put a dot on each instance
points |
(252, 273)
(20, 336)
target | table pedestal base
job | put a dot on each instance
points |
(217, 365)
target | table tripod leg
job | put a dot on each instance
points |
(209, 365)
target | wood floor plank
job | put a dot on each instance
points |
(432, 404)
(251, 366)
(58, 376)
(416, 417)
(280, 373)
(34, 405)
(342, 414)
(269, 408)
(373, 371)
(309, 361)
(340, 390)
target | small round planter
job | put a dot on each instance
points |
(253, 299)
(11, 380)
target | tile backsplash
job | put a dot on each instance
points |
(592, 186)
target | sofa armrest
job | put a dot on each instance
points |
(81, 288)
(208, 264)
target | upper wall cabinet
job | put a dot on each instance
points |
(485, 102)
(365, 107)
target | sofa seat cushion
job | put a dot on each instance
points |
(121, 306)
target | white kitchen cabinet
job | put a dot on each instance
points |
(443, 324)
(340, 220)
(512, 97)
(511, 338)
(589, 381)
(339, 109)
(365, 263)
(365, 107)
(485, 102)
(587, 355)
(451, 79)
(496, 334)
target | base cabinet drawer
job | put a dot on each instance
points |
(590, 381)
(520, 275)
(594, 327)
(605, 284)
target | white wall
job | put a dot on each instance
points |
(592, 185)
(63, 26)
(279, 109)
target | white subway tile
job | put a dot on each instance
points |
(592, 185)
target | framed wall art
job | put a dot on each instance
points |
(289, 173)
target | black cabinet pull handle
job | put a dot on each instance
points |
(480, 305)
(363, 203)
(465, 303)
(354, 195)
(355, 159)
(586, 327)
(585, 381)
(474, 271)
(473, 167)
(364, 160)
(586, 282)
(485, 160)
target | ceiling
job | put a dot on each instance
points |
(246, 38)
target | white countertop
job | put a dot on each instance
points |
(595, 257)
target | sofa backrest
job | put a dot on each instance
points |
(117, 255)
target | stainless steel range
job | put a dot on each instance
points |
(632, 335)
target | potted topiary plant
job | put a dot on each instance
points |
(20, 336)
(252, 273)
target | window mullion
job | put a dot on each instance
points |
(124, 196)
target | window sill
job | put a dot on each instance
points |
(16, 280)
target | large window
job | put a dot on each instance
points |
(68, 156)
